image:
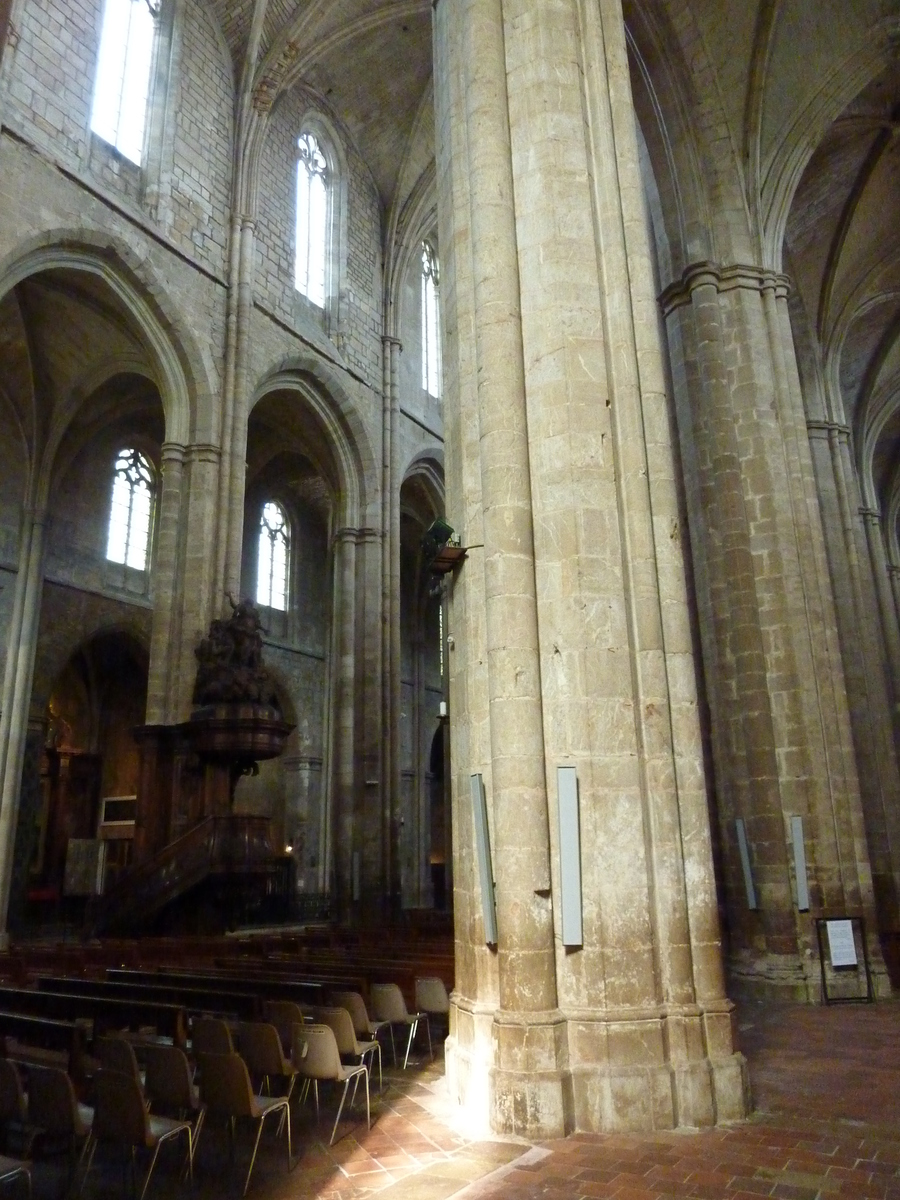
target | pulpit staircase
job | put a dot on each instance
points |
(230, 855)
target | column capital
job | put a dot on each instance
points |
(388, 340)
(724, 278)
(203, 452)
(173, 452)
(346, 534)
(816, 428)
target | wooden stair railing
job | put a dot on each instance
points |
(223, 845)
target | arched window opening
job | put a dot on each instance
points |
(131, 510)
(431, 342)
(312, 219)
(122, 85)
(274, 547)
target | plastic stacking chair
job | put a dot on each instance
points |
(366, 1029)
(211, 1035)
(15, 1168)
(169, 1087)
(120, 1117)
(349, 1046)
(283, 1014)
(13, 1106)
(432, 998)
(116, 1053)
(225, 1089)
(316, 1056)
(260, 1048)
(53, 1108)
(388, 1005)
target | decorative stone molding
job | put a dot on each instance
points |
(723, 279)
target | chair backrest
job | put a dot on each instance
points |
(341, 1025)
(283, 1014)
(117, 1054)
(12, 1098)
(210, 1035)
(356, 1007)
(387, 1002)
(119, 1112)
(260, 1048)
(321, 1058)
(168, 1078)
(225, 1085)
(52, 1103)
(431, 995)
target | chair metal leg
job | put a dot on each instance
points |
(339, 1111)
(413, 1026)
(92, 1142)
(150, 1169)
(253, 1156)
(428, 1031)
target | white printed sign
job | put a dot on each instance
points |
(841, 946)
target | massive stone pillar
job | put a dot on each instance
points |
(569, 622)
(18, 676)
(781, 731)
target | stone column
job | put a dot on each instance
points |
(561, 449)
(390, 614)
(17, 695)
(890, 631)
(338, 845)
(781, 727)
(165, 638)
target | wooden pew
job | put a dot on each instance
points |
(106, 1012)
(244, 1005)
(43, 1041)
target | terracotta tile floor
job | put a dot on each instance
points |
(825, 1085)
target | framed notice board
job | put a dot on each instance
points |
(844, 960)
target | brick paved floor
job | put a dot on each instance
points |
(825, 1085)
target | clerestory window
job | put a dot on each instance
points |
(131, 510)
(122, 85)
(274, 557)
(431, 341)
(312, 219)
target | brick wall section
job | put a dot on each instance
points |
(201, 183)
(51, 74)
(360, 303)
(50, 88)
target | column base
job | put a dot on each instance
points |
(595, 1072)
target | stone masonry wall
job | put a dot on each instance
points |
(358, 329)
(46, 93)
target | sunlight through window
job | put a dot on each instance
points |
(131, 510)
(123, 75)
(431, 344)
(312, 218)
(272, 574)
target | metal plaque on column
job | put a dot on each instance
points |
(569, 856)
(483, 850)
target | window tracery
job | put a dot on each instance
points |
(312, 219)
(131, 510)
(274, 556)
(431, 344)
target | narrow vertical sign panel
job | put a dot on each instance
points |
(744, 852)
(841, 946)
(800, 863)
(569, 856)
(483, 850)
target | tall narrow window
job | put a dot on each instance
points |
(312, 219)
(431, 343)
(123, 75)
(274, 545)
(131, 510)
